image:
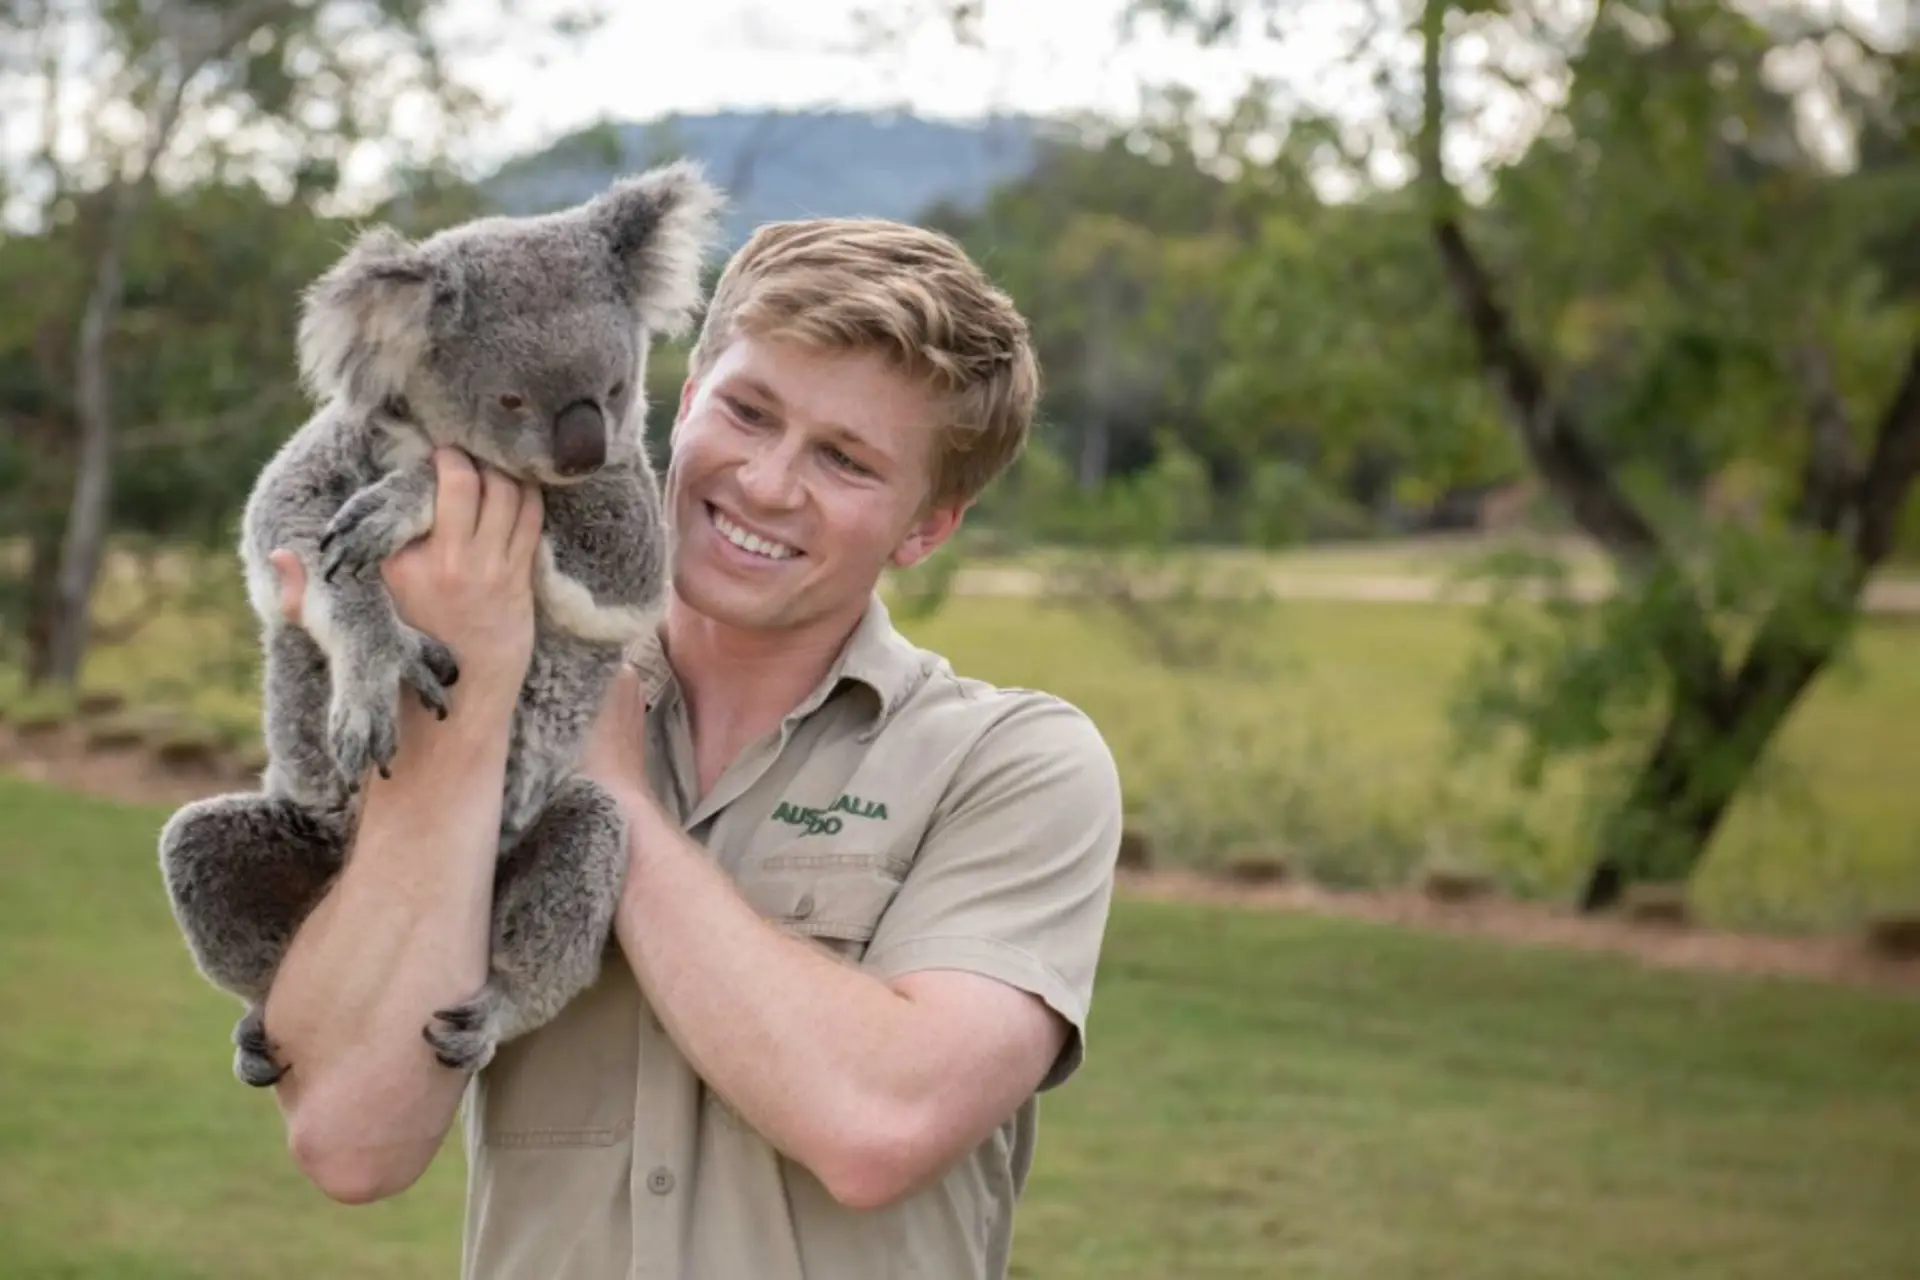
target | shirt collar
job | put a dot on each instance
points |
(875, 656)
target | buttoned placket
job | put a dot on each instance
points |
(654, 1214)
(655, 1183)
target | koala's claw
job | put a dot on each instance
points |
(253, 1061)
(365, 531)
(464, 1036)
(431, 668)
(362, 734)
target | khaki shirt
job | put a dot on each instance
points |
(907, 818)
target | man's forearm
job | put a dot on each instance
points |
(402, 932)
(826, 1061)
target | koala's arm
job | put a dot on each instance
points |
(379, 520)
(601, 574)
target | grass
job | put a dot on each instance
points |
(1319, 735)
(1264, 1095)
(1325, 740)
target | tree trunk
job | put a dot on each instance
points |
(43, 600)
(1715, 736)
(86, 535)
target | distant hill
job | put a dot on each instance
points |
(788, 164)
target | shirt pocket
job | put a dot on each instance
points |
(570, 1082)
(834, 897)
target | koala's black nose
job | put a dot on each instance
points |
(579, 439)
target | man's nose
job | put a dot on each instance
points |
(769, 474)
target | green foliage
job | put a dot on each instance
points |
(1670, 300)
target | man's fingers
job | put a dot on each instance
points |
(525, 539)
(499, 511)
(292, 577)
(456, 505)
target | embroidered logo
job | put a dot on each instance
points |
(829, 821)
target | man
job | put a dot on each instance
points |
(865, 896)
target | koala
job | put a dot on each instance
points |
(523, 341)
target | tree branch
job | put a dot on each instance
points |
(1882, 490)
(1832, 463)
(1560, 452)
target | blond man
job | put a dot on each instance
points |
(866, 894)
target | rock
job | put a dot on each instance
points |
(1455, 884)
(39, 726)
(186, 752)
(1257, 869)
(115, 735)
(1895, 935)
(1662, 904)
(1136, 851)
(101, 702)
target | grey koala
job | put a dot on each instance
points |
(523, 341)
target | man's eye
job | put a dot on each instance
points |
(841, 458)
(745, 412)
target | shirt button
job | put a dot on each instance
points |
(660, 1181)
(803, 908)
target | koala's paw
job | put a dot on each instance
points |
(253, 1061)
(372, 525)
(431, 669)
(465, 1036)
(361, 731)
(361, 727)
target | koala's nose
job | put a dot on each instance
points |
(579, 439)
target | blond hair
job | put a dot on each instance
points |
(860, 284)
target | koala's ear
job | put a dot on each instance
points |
(659, 226)
(364, 325)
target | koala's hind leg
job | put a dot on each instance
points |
(242, 872)
(554, 900)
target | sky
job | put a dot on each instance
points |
(656, 56)
(652, 57)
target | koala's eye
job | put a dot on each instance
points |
(619, 389)
(511, 401)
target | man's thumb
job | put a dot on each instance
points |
(292, 577)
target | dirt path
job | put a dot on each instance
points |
(1889, 597)
(61, 759)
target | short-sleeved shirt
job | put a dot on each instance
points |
(903, 816)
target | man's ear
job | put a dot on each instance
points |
(929, 533)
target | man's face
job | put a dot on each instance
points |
(798, 475)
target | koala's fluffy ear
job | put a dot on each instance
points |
(364, 324)
(659, 226)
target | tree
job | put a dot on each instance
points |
(159, 93)
(1689, 271)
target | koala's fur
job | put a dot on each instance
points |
(407, 346)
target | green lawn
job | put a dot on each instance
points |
(1325, 738)
(1320, 734)
(1266, 1096)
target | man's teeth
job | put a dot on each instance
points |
(749, 541)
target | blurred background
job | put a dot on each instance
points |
(1474, 496)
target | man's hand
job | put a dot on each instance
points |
(469, 582)
(615, 752)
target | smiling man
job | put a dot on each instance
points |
(866, 894)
